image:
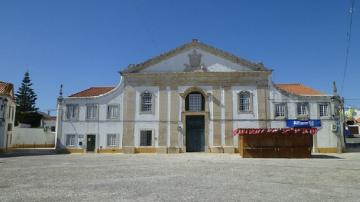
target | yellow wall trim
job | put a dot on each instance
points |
(216, 150)
(33, 146)
(71, 150)
(110, 150)
(327, 150)
(146, 150)
(2, 150)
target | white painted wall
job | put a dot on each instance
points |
(32, 136)
(325, 137)
(7, 117)
(100, 127)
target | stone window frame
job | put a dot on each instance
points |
(195, 89)
(328, 109)
(307, 114)
(96, 112)
(202, 102)
(251, 104)
(66, 140)
(74, 117)
(285, 110)
(152, 137)
(116, 140)
(152, 102)
(108, 116)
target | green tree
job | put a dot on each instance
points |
(25, 96)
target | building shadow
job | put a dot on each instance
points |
(324, 156)
(28, 152)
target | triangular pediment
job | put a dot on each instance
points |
(195, 57)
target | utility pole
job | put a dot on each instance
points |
(339, 118)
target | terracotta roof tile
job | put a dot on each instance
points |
(299, 89)
(6, 89)
(93, 91)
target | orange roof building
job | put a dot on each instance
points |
(93, 91)
(6, 89)
(299, 89)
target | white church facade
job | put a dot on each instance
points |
(189, 100)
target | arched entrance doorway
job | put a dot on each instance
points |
(195, 121)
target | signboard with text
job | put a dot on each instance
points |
(312, 123)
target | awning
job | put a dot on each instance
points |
(273, 131)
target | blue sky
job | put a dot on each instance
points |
(85, 43)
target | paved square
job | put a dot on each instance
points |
(178, 177)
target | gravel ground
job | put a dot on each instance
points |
(178, 177)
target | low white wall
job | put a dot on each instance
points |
(35, 136)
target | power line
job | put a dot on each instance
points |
(348, 40)
(351, 98)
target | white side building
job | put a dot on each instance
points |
(7, 114)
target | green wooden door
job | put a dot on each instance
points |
(90, 143)
(195, 137)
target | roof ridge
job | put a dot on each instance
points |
(101, 87)
(290, 84)
(299, 89)
(87, 92)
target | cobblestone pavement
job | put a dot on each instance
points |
(178, 177)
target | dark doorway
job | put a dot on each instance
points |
(195, 137)
(90, 143)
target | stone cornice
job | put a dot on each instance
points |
(196, 74)
(197, 78)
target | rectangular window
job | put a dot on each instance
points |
(145, 138)
(111, 140)
(10, 127)
(13, 114)
(70, 140)
(323, 110)
(280, 110)
(244, 101)
(52, 129)
(9, 114)
(113, 112)
(146, 102)
(195, 101)
(72, 111)
(302, 109)
(91, 112)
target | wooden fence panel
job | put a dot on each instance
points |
(276, 145)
